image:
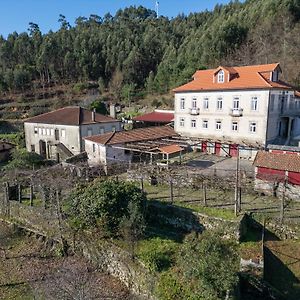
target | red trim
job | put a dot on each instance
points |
(294, 178)
(270, 174)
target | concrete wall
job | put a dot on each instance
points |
(105, 154)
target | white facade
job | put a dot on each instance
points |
(240, 116)
(105, 154)
(43, 138)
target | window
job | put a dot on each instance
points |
(254, 103)
(291, 104)
(221, 76)
(43, 131)
(253, 127)
(193, 123)
(272, 102)
(194, 103)
(219, 103)
(218, 125)
(236, 103)
(182, 103)
(48, 131)
(101, 130)
(32, 147)
(94, 148)
(181, 122)
(36, 130)
(51, 132)
(205, 103)
(40, 131)
(234, 126)
(205, 124)
(90, 132)
(63, 133)
(113, 128)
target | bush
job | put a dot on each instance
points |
(103, 204)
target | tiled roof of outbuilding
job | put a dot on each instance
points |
(135, 135)
(278, 161)
(156, 117)
(71, 115)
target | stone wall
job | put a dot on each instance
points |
(188, 220)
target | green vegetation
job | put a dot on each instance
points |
(22, 159)
(105, 205)
(14, 138)
(157, 55)
(206, 268)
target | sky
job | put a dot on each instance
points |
(15, 15)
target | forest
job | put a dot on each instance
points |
(135, 51)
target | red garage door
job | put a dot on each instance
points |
(233, 150)
(217, 148)
(294, 178)
(204, 147)
(270, 174)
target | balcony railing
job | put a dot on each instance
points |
(236, 112)
(194, 111)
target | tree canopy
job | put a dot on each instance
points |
(135, 49)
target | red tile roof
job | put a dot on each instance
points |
(247, 77)
(278, 161)
(170, 149)
(156, 117)
(71, 115)
(297, 94)
(135, 135)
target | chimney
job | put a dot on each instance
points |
(94, 115)
(112, 110)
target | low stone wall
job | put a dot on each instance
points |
(188, 220)
(119, 263)
(291, 191)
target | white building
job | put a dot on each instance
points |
(231, 106)
(60, 133)
(119, 147)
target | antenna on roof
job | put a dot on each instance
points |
(157, 8)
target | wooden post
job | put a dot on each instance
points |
(31, 194)
(171, 191)
(204, 195)
(142, 184)
(240, 200)
(236, 190)
(19, 193)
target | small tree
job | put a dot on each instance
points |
(104, 204)
(133, 225)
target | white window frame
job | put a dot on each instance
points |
(63, 133)
(43, 131)
(52, 132)
(181, 122)
(219, 103)
(48, 131)
(253, 127)
(234, 126)
(194, 103)
(193, 123)
(206, 103)
(36, 130)
(94, 148)
(218, 125)
(221, 76)
(236, 103)
(254, 103)
(205, 124)
(182, 103)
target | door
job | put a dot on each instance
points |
(218, 149)
(56, 134)
(204, 147)
(233, 150)
(42, 145)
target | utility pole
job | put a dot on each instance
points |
(237, 181)
(157, 9)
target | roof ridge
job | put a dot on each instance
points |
(110, 137)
